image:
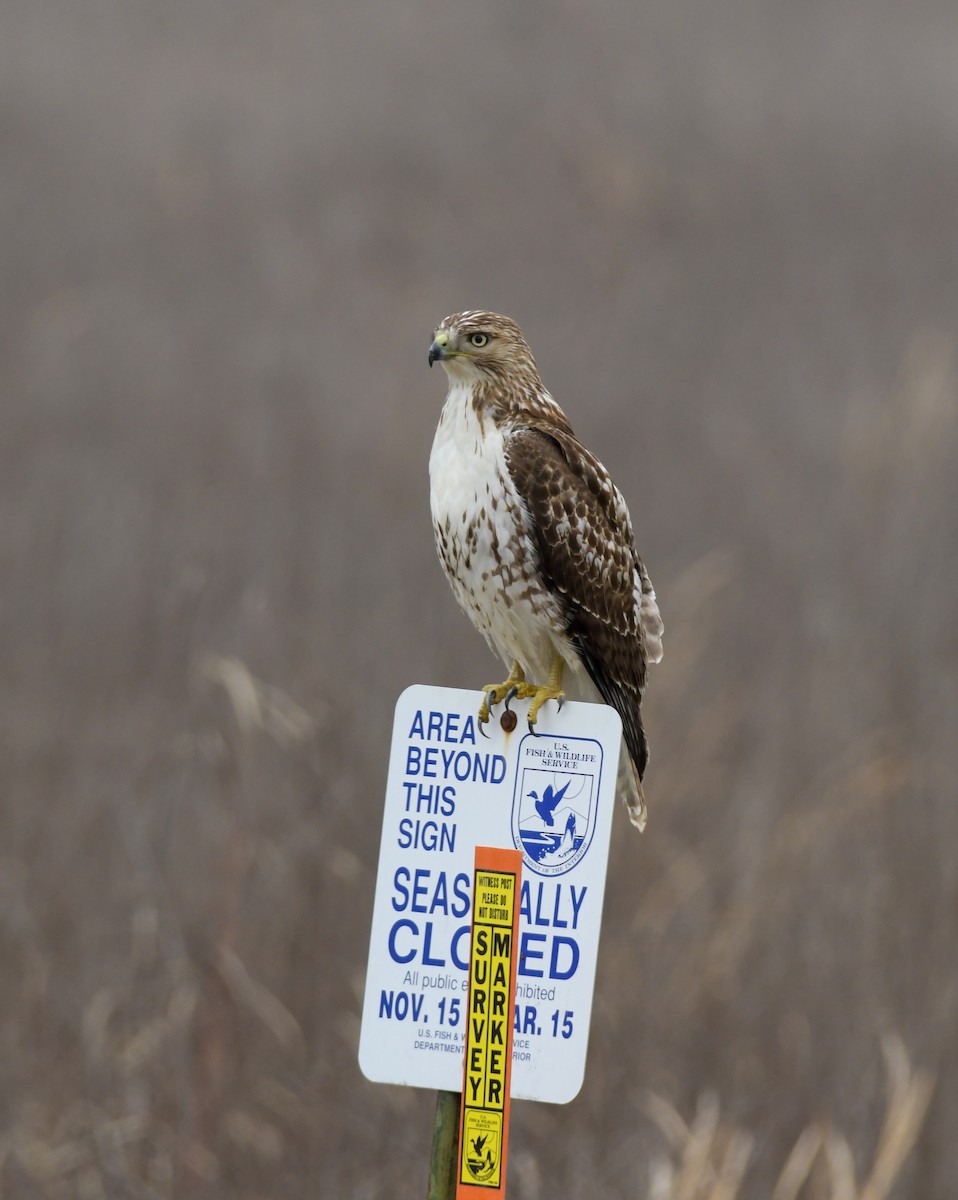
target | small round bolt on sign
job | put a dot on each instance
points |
(508, 721)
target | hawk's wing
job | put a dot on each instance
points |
(583, 535)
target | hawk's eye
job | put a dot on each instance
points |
(479, 339)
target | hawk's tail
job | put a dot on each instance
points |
(630, 789)
(635, 748)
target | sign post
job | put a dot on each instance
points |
(445, 1146)
(549, 798)
(487, 1067)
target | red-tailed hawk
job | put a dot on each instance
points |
(536, 539)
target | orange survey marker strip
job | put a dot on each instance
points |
(487, 1072)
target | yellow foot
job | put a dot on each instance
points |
(539, 696)
(514, 686)
(551, 691)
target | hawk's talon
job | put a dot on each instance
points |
(515, 685)
(540, 696)
(518, 687)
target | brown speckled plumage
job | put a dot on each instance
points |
(534, 536)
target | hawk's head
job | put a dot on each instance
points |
(473, 345)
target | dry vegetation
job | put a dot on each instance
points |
(728, 230)
(708, 1160)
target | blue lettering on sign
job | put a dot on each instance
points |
(430, 798)
(432, 762)
(563, 957)
(419, 892)
(394, 952)
(401, 1005)
(408, 938)
(426, 835)
(554, 905)
(443, 727)
(426, 893)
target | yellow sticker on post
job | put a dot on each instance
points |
(487, 1068)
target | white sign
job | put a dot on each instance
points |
(550, 795)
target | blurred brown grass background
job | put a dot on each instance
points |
(729, 231)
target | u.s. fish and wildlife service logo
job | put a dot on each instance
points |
(482, 1134)
(553, 810)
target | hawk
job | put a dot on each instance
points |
(536, 539)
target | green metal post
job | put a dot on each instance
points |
(445, 1146)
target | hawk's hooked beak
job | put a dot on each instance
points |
(438, 348)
